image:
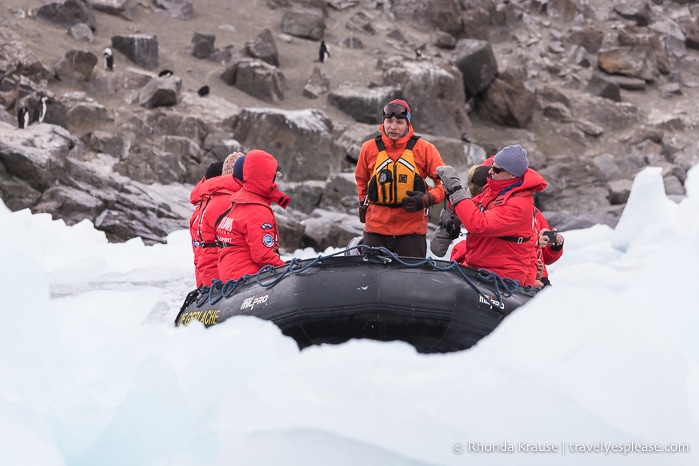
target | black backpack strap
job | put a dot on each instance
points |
(379, 143)
(515, 239)
(411, 142)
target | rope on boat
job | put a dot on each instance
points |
(220, 290)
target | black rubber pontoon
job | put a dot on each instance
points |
(436, 306)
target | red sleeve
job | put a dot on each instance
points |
(548, 255)
(498, 220)
(362, 173)
(458, 252)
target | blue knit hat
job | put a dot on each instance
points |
(238, 168)
(513, 159)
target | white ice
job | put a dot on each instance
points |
(92, 372)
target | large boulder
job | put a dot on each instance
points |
(68, 13)
(257, 78)
(142, 49)
(364, 104)
(435, 94)
(76, 65)
(301, 140)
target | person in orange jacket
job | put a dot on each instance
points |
(391, 175)
(500, 220)
(211, 199)
(248, 233)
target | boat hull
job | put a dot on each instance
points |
(436, 306)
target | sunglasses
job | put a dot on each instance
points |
(396, 110)
(497, 170)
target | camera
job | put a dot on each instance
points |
(551, 235)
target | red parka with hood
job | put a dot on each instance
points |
(210, 199)
(249, 231)
(495, 219)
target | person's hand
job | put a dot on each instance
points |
(450, 223)
(450, 179)
(417, 200)
(551, 238)
(362, 213)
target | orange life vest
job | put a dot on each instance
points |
(391, 181)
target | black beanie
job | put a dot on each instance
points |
(214, 170)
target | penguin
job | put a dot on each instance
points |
(204, 90)
(419, 51)
(108, 59)
(323, 52)
(40, 110)
(165, 74)
(22, 117)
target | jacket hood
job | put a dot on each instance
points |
(260, 169)
(224, 183)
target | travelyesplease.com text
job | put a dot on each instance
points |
(572, 448)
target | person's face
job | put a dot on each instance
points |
(395, 127)
(498, 173)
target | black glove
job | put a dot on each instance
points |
(362, 213)
(450, 223)
(450, 179)
(449, 229)
(417, 200)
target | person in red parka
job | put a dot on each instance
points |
(500, 220)
(211, 199)
(248, 233)
(198, 200)
(546, 251)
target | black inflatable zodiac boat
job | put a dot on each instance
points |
(436, 306)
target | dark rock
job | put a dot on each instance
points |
(305, 23)
(602, 86)
(364, 104)
(263, 47)
(477, 63)
(142, 49)
(202, 45)
(76, 65)
(68, 13)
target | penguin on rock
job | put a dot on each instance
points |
(108, 59)
(323, 52)
(40, 110)
(22, 117)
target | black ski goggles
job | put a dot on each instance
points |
(396, 110)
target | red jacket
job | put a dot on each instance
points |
(398, 221)
(505, 209)
(249, 230)
(210, 198)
